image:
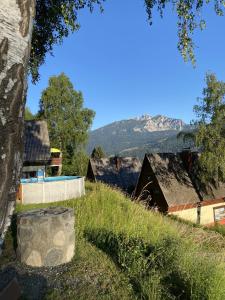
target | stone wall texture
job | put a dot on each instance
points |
(46, 237)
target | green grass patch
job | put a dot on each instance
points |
(218, 228)
(126, 252)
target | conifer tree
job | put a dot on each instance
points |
(98, 152)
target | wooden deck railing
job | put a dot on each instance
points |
(56, 161)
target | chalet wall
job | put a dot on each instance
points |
(206, 214)
(90, 174)
(143, 180)
(148, 188)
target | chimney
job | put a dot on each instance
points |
(186, 156)
(117, 162)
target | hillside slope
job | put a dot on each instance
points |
(135, 137)
(125, 252)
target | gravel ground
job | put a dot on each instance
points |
(35, 282)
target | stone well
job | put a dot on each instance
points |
(46, 237)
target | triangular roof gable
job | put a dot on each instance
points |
(90, 173)
(37, 145)
(173, 179)
(122, 172)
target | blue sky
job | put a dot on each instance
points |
(126, 68)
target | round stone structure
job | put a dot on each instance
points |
(46, 237)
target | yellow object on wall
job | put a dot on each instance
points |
(55, 150)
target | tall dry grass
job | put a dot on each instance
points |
(161, 258)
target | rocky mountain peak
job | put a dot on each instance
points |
(140, 135)
(157, 123)
(144, 117)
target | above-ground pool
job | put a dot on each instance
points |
(50, 189)
(48, 179)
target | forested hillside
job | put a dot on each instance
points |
(135, 137)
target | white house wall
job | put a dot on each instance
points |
(206, 217)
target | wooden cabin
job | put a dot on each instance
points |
(169, 184)
(37, 152)
(120, 172)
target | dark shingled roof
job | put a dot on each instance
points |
(37, 145)
(207, 191)
(173, 179)
(121, 172)
(213, 192)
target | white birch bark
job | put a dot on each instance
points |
(16, 18)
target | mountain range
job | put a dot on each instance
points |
(140, 135)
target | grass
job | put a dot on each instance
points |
(218, 228)
(126, 252)
(215, 228)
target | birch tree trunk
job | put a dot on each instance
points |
(16, 18)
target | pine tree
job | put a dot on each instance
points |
(98, 152)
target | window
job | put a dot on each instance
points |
(219, 213)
